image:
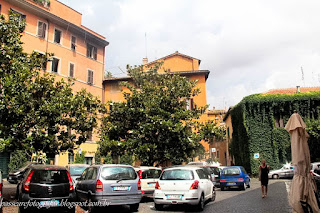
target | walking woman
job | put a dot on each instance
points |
(263, 176)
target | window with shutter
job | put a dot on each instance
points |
(57, 36)
(90, 77)
(55, 65)
(91, 51)
(42, 29)
(71, 70)
(73, 43)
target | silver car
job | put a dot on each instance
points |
(284, 172)
(76, 170)
(109, 184)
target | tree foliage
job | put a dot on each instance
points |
(37, 111)
(153, 123)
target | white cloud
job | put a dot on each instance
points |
(249, 46)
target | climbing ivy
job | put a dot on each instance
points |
(254, 131)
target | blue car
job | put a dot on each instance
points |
(234, 176)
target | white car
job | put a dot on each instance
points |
(148, 178)
(314, 166)
(184, 185)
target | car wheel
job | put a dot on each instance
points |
(248, 186)
(158, 207)
(222, 188)
(243, 187)
(213, 198)
(134, 207)
(200, 205)
(275, 176)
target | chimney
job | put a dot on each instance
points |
(298, 89)
(144, 61)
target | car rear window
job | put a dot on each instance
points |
(77, 170)
(151, 174)
(49, 176)
(118, 173)
(215, 170)
(177, 174)
(231, 171)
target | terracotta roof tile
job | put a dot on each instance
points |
(292, 90)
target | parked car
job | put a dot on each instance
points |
(184, 185)
(314, 166)
(1, 186)
(16, 175)
(48, 185)
(110, 184)
(76, 170)
(285, 172)
(202, 163)
(148, 177)
(215, 175)
(234, 176)
(212, 171)
(317, 180)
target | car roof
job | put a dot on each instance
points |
(189, 167)
(77, 164)
(228, 167)
(113, 165)
(42, 167)
(147, 168)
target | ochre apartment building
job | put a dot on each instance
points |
(53, 27)
(177, 63)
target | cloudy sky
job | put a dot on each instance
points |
(249, 46)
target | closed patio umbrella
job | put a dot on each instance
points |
(302, 193)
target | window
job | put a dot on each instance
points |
(201, 174)
(55, 65)
(190, 105)
(0, 8)
(218, 154)
(91, 51)
(57, 36)
(88, 160)
(73, 43)
(278, 121)
(42, 57)
(90, 77)
(22, 16)
(71, 70)
(42, 29)
(70, 157)
(89, 136)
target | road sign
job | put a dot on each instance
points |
(213, 149)
(256, 155)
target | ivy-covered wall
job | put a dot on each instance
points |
(254, 131)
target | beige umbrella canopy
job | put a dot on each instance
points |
(302, 193)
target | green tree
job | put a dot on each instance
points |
(313, 129)
(153, 123)
(37, 111)
(211, 132)
(18, 159)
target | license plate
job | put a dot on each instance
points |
(174, 197)
(231, 184)
(121, 188)
(152, 184)
(49, 203)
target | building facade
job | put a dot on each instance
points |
(53, 27)
(178, 63)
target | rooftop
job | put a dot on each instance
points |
(171, 55)
(292, 90)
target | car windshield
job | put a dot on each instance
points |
(118, 173)
(152, 173)
(77, 170)
(177, 174)
(49, 176)
(231, 171)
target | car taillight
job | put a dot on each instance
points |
(140, 174)
(139, 184)
(195, 185)
(157, 186)
(27, 183)
(99, 186)
(223, 180)
(240, 179)
(70, 182)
